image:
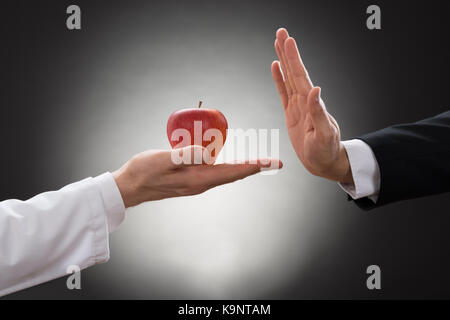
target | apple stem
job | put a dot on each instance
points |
(200, 104)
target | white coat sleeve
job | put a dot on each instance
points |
(41, 237)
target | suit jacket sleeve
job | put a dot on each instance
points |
(414, 160)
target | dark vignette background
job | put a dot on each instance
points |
(59, 87)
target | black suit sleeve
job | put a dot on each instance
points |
(414, 160)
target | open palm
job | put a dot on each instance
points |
(313, 132)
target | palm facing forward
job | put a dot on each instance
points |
(313, 132)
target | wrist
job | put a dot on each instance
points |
(340, 170)
(127, 190)
(343, 170)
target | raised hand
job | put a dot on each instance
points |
(154, 175)
(313, 132)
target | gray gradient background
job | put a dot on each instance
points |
(76, 104)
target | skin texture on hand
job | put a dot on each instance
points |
(153, 175)
(313, 132)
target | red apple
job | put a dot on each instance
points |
(197, 121)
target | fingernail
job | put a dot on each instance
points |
(268, 165)
(265, 163)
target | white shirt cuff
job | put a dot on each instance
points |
(112, 200)
(365, 171)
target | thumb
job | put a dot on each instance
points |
(317, 111)
(190, 155)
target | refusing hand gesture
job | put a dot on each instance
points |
(313, 132)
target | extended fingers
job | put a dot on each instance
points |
(298, 73)
(207, 176)
(281, 37)
(279, 82)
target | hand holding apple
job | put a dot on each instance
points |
(152, 175)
